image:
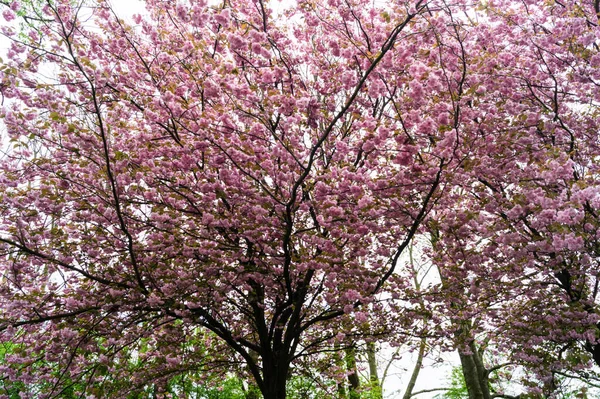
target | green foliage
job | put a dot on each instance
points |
(374, 392)
(458, 386)
(302, 388)
(10, 389)
(231, 388)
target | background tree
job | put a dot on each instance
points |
(519, 246)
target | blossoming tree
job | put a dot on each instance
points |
(213, 167)
(516, 240)
(233, 184)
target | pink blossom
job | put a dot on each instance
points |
(8, 15)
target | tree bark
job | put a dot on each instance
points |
(476, 376)
(275, 373)
(415, 374)
(339, 362)
(376, 392)
(353, 373)
(474, 372)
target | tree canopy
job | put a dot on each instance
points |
(233, 186)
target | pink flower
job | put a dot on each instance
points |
(360, 317)
(8, 15)
(236, 42)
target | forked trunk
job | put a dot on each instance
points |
(476, 376)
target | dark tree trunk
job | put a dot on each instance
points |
(274, 389)
(476, 376)
(275, 373)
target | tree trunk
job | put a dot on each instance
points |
(476, 376)
(339, 362)
(275, 373)
(376, 392)
(353, 372)
(274, 387)
(416, 370)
